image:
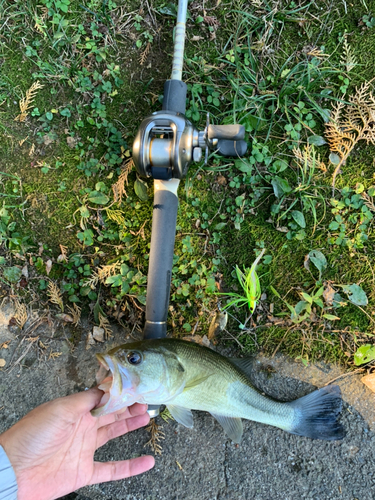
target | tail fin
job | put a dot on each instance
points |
(316, 414)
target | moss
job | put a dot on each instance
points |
(47, 209)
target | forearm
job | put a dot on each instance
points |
(8, 482)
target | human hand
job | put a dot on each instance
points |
(51, 449)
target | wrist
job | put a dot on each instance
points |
(8, 481)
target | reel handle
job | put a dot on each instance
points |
(226, 132)
(231, 148)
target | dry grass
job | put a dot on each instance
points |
(55, 295)
(308, 157)
(144, 54)
(350, 124)
(102, 273)
(104, 323)
(63, 257)
(27, 101)
(75, 312)
(20, 314)
(156, 436)
(119, 187)
(348, 59)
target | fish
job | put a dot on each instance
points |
(185, 376)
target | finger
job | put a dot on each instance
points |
(126, 412)
(120, 427)
(113, 471)
(82, 402)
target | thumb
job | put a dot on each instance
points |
(84, 401)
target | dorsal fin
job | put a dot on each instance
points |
(244, 364)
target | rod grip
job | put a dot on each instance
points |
(160, 263)
(174, 99)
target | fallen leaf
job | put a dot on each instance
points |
(369, 381)
(221, 180)
(218, 323)
(23, 282)
(47, 139)
(65, 317)
(25, 271)
(48, 266)
(282, 229)
(328, 294)
(306, 262)
(2, 363)
(196, 38)
(71, 141)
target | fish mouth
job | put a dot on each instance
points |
(105, 378)
(104, 370)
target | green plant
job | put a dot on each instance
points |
(304, 309)
(249, 281)
(353, 215)
(368, 20)
(364, 354)
(289, 95)
(317, 305)
(128, 282)
(303, 197)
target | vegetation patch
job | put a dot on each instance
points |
(282, 239)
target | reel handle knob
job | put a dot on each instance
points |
(231, 148)
(226, 132)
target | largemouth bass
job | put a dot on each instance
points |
(186, 376)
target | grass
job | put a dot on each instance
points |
(279, 68)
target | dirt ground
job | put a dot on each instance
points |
(199, 464)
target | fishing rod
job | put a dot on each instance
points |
(164, 147)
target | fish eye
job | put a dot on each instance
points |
(134, 357)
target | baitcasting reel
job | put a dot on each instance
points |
(167, 143)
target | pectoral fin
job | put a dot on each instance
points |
(232, 427)
(196, 381)
(181, 415)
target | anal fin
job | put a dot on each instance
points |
(232, 426)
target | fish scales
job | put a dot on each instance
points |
(186, 376)
(227, 390)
